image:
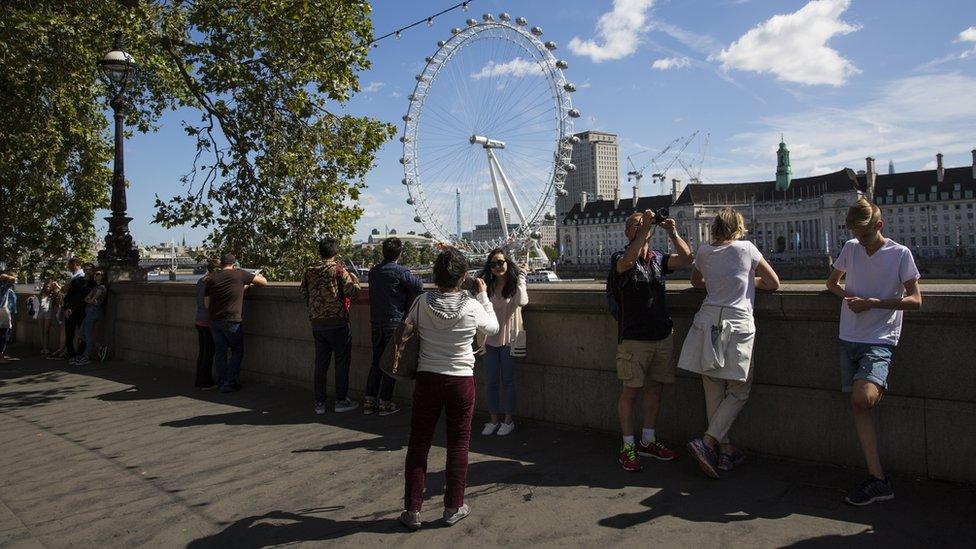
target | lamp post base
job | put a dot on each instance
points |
(125, 273)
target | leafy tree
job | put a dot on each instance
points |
(276, 164)
(550, 252)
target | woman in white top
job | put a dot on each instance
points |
(719, 343)
(506, 290)
(447, 321)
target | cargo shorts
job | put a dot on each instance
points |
(639, 361)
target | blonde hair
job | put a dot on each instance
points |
(862, 214)
(728, 225)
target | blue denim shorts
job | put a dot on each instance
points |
(867, 361)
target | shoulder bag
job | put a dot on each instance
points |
(401, 356)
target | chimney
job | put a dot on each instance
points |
(637, 189)
(939, 168)
(583, 201)
(974, 163)
(675, 189)
(616, 197)
(871, 175)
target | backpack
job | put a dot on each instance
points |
(340, 287)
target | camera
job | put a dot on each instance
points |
(660, 215)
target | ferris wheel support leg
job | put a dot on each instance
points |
(498, 195)
(508, 189)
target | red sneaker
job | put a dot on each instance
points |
(656, 450)
(628, 458)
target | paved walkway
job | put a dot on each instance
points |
(120, 455)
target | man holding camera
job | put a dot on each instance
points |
(645, 330)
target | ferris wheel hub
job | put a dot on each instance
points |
(486, 143)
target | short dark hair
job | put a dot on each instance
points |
(228, 259)
(328, 247)
(392, 248)
(449, 268)
(74, 261)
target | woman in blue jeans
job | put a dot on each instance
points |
(506, 290)
(93, 313)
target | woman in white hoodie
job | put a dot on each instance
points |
(447, 321)
(719, 343)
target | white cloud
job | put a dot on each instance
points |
(374, 87)
(700, 43)
(793, 47)
(618, 32)
(671, 63)
(968, 35)
(517, 68)
(396, 94)
(909, 121)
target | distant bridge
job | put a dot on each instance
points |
(182, 262)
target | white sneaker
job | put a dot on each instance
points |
(346, 405)
(452, 518)
(506, 428)
(489, 429)
(410, 519)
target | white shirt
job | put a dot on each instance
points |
(730, 273)
(883, 276)
(446, 344)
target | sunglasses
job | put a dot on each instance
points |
(497, 264)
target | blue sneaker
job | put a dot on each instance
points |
(706, 457)
(870, 491)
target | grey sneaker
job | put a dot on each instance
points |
(871, 490)
(410, 519)
(346, 405)
(452, 518)
(388, 408)
(319, 408)
(706, 456)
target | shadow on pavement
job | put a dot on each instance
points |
(537, 456)
(283, 527)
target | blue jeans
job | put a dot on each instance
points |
(92, 315)
(228, 336)
(498, 360)
(864, 361)
(336, 340)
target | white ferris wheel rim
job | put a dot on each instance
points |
(516, 32)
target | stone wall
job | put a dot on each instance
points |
(796, 409)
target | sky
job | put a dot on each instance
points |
(839, 79)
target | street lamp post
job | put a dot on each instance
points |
(119, 254)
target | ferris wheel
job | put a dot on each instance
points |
(487, 139)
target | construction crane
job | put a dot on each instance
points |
(694, 168)
(678, 145)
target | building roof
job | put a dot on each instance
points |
(839, 181)
(604, 208)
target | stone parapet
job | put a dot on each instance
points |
(568, 376)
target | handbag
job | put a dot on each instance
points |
(401, 356)
(6, 319)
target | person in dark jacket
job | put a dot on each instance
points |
(392, 289)
(74, 308)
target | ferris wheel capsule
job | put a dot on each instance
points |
(570, 167)
(488, 18)
(562, 192)
(550, 216)
(455, 31)
(504, 17)
(404, 181)
(536, 31)
(471, 22)
(410, 201)
(550, 45)
(521, 21)
(573, 113)
(562, 64)
(440, 43)
(416, 219)
(574, 139)
(569, 86)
